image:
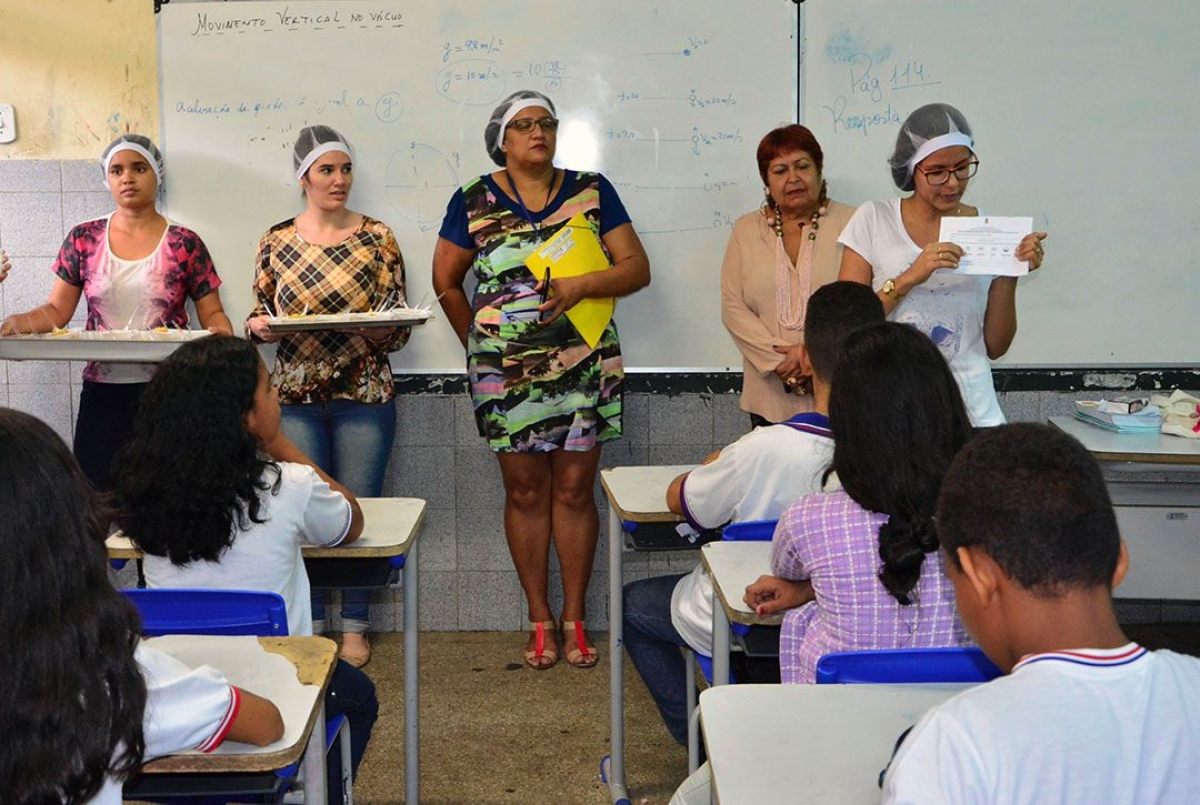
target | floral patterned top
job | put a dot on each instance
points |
(364, 272)
(134, 294)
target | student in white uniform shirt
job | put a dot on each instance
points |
(755, 478)
(239, 499)
(84, 703)
(1084, 714)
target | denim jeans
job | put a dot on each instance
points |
(654, 647)
(352, 442)
(350, 693)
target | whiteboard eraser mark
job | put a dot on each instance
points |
(8, 123)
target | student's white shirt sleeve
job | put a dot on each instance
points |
(186, 708)
(711, 493)
(937, 764)
(327, 514)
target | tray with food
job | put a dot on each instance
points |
(118, 346)
(397, 317)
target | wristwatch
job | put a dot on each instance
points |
(889, 289)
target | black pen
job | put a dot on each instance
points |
(545, 292)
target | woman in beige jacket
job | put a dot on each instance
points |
(776, 257)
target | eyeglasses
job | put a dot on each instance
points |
(962, 173)
(526, 124)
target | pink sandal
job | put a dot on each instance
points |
(583, 655)
(542, 656)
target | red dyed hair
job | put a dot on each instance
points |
(785, 139)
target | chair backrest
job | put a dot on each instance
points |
(750, 531)
(963, 664)
(210, 612)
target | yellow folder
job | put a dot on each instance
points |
(575, 250)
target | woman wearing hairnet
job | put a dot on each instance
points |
(544, 399)
(137, 270)
(893, 246)
(335, 386)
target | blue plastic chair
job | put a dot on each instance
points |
(746, 531)
(911, 665)
(232, 612)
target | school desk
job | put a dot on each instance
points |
(1159, 521)
(253, 770)
(733, 566)
(637, 497)
(807, 743)
(388, 542)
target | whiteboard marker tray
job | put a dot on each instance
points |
(401, 317)
(123, 346)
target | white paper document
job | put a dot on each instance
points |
(989, 243)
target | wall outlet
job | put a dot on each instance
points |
(8, 123)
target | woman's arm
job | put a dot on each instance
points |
(856, 268)
(281, 448)
(1000, 316)
(212, 314)
(258, 721)
(753, 338)
(630, 271)
(771, 594)
(257, 328)
(450, 265)
(55, 314)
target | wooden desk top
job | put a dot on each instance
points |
(314, 658)
(639, 494)
(1143, 448)
(807, 743)
(390, 527)
(733, 566)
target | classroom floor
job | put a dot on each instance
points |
(495, 731)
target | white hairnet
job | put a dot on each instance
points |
(313, 143)
(138, 144)
(931, 128)
(502, 115)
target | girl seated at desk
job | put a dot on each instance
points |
(859, 568)
(84, 703)
(217, 497)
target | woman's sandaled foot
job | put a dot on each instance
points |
(356, 649)
(541, 650)
(583, 655)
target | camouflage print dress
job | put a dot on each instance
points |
(535, 387)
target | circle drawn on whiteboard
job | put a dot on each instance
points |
(389, 107)
(418, 181)
(472, 82)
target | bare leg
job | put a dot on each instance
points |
(576, 527)
(527, 492)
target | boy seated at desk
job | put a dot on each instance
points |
(755, 478)
(1084, 715)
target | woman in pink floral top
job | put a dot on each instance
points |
(859, 568)
(335, 386)
(137, 271)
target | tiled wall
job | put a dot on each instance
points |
(466, 578)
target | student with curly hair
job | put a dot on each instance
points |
(83, 701)
(241, 500)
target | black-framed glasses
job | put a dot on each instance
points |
(962, 173)
(526, 124)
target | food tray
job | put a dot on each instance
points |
(116, 346)
(401, 317)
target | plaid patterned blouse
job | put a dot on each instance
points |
(832, 541)
(363, 272)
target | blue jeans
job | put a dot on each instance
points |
(654, 647)
(350, 693)
(352, 442)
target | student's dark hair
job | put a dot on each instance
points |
(192, 475)
(1034, 499)
(898, 420)
(71, 693)
(834, 310)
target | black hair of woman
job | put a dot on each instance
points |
(898, 420)
(192, 420)
(73, 696)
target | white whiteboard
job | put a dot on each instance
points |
(1085, 117)
(668, 99)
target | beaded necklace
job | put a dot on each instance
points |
(789, 305)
